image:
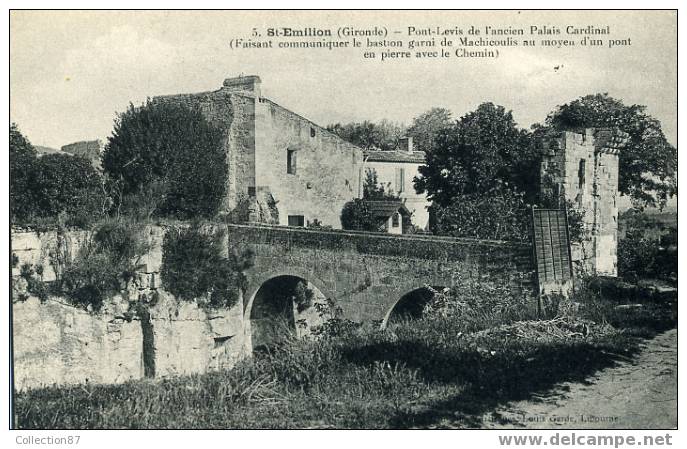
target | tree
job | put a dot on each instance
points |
(648, 163)
(70, 186)
(52, 187)
(372, 190)
(22, 166)
(482, 150)
(175, 149)
(426, 127)
(368, 135)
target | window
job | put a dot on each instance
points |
(581, 173)
(400, 180)
(312, 132)
(291, 162)
(296, 220)
(395, 220)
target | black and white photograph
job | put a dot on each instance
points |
(344, 219)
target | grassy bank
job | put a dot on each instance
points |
(415, 374)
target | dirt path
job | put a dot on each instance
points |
(638, 393)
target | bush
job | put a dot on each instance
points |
(479, 304)
(499, 213)
(174, 148)
(34, 284)
(194, 269)
(356, 216)
(104, 264)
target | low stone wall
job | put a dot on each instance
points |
(56, 343)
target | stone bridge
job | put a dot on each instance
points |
(368, 276)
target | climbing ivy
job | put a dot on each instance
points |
(195, 269)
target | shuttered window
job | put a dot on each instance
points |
(400, 180)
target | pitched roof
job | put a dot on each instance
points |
(416, 157)
(385, 209)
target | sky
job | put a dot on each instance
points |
(71, 72)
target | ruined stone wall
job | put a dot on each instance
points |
(326, 169)
(57, 343)
(582, 167)
(259, 134)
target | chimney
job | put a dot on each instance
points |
(406, 144)
(249, 84)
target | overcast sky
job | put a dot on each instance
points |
(72, 71)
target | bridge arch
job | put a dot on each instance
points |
(410, 304)
(272, 308)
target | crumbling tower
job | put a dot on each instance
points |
(579, 170)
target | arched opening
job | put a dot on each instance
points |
(411, 305)
(283, 305)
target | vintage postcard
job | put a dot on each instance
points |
(344, 219)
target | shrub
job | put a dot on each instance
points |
(478, 304)
(34, 284)
(194, 269)
(171, 145)
(499, 213)
(104, 264)
(356, 216)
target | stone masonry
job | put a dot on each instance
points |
(582, 167)
(281, 165)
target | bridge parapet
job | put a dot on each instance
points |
(413, 246)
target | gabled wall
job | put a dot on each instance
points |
(326, 169)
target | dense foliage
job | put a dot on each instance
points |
(648, 164)
(481, 173)
(482, 150)
(647, 250)
(497, 213)
(169, 156)
(195, 269)
(68, 185)
(356, 216)
(426, 127)
(22, 166)
(55, 187)
(104, 264)
(383, 135)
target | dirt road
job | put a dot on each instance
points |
(640, 393)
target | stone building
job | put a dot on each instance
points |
(283, 168)
(581, 167)
(395, 172)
